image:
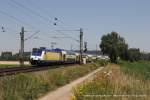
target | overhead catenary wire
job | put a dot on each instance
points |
(45, 12)
(31, 36)
(41, 9)
(31, 11)
(42, 17)
(15, 18)
(36, 13)
(5, 29)
(22, 11)
(70, 37)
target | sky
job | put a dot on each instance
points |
(129, 18)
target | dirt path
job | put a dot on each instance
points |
(65, 92)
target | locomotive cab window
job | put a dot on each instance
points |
(37, 52)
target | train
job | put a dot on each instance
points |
(44, 56)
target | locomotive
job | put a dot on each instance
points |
(43, 56)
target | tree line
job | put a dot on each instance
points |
(116, 48)
(9, 56)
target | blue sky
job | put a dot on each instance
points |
(130, 18)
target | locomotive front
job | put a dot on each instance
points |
(36, 56)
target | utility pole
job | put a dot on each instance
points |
(80, 41)
(96, 52)
(21, 51)
(81, 46)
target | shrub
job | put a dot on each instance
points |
(101, 62)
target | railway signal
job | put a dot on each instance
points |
(85, 46)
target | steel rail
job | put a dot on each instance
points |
(26, 69)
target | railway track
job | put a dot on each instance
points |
(17, 70)
(26, 69)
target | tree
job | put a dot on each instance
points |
(6, 55)
(144, 56)
(114, 46)
(134, 54)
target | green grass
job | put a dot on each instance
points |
(22, 87)
(9, 65)
(33, 85)
(138, 69)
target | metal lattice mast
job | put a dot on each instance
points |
(22, 47)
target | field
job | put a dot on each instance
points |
(139, 69)
(6, 64)
(126, 81)
(33, 85)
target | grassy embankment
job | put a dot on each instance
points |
(126, 81)
(32, 85)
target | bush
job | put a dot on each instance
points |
(101, 62)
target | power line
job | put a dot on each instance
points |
(18, 7)
(46, 19)
(47, 13)
(5, 29)
(14, 5)
(40, 8)
(14, 18)
(31, 11)
(31, 36)
(67, 30)
(80, 41)
(59, 37)
(68, 35)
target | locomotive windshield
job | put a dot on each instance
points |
(36, 52)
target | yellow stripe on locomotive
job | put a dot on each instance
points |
(52, 56)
